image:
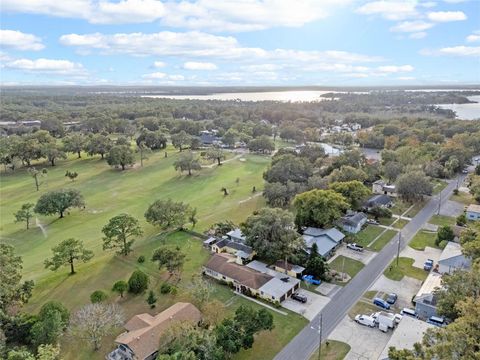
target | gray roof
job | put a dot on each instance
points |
(237, 234)
(210, 240)
(277, 287)
(353, 219)
(332, 233)
(259, 266)
(235, 245)
(324, 243)
(380, 199)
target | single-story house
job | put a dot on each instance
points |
(381, 187)
(379, 200)
(210, 241)
(473, 212)
(142, 336)
(425, 300)
(327, 240)
(452, 259)
(249, 281)
(353, 222)
(408, 332)
(242, 252)
(236, 235)
(295, 271)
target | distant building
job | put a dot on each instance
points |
(425, 300)
(209, 137)
(143, 332)
(381, 187)
(353, 222)
(473, 212)
(378, 201)
(327, 240)
(452, 259)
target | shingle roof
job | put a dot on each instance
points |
(295, 268)
(144, 331)
(353, 219)
(380, 199)
(223, 264)
(332, 233)
(234, 245)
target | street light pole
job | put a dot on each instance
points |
(398, 248)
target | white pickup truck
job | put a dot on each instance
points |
(354, 246)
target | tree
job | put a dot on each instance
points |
(192, 217)
(319, 208)
(347, 173)
(48, 352)
(392, 170)
(413, 186)
(381, 212)
(74, 143)
(270, 232)
(37, 174)
(120, 287)
(461, 220)
(118, 231)
(279, 195)
(215, 154)
(477, 169)
(187, 162)
(98, 296)
(181, 140)
(201, 290)
(316, 264)
(171, 259)
(143, 150)
(52, 320)
(470, 240)
(59, 201)
(66, 253)
(98, 144)
(52, 152)
(152, 139)
(151, 299)
(24, 214)
(353, 191)
(262, 144)
(95, 321)
(120, 155)
(167, 213)
(72, 175)
(289, 168)
(138, 282)
(445, 233)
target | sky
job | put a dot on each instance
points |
(240, 42)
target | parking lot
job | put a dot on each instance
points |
(405, 289)
(314, 304)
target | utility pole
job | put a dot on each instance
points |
(439, 202)
(320, 323)
(343, 268)
(398, 248)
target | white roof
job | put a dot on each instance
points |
(473, 208)
(433, 281)
(408, 332)
(236, 233)
(277, 288)
(259, 266)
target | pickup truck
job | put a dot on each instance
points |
(428, 265)
(354, 246)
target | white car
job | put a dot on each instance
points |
(365, 320)
(398, 318)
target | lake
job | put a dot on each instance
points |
(465, 111)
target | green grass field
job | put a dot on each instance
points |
(368, 234)
(351, 266)
(335, 350)
(464, 198)
(383, 240)
(405, 268)
(400, 223)
(422, 239)
(438, 185)
(442, 220)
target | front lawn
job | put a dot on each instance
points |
(335, 350)
(422, 239)
(405, 268)
(401, 207)
(400, 223)
(463, 197)
(367, 235)
(350, 266)
(386, 221)
(442, 220)
(383, 240)
(438, 185)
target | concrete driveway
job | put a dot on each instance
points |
(405, 289)
(365, 342)
(365, 256)
(452, 208)
(421, 256)
(314, 304)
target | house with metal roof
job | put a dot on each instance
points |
(242, 252)
(426, 300)
(379, 200)
(352, 222)
(452, 259)
(327, 240)
(236, 235)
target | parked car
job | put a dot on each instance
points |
(408, 312)
(428, 265)
(381, 303)
(373, 222)
(299, 297)
(311, 280)
(365, 320)
(392, 298)
(398, 318)
(437, 321)
(354, 246)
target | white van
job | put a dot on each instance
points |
(365, 320)
(437, 321)
(409, 312)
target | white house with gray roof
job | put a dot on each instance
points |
(353, 222)
(327, 240)
(452, 259)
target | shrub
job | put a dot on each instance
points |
(455, 191)
(165, 288)
(173, 291)
(442, 244)
(141, 259)
(120, 287)
(98, 296)
(151, 299)
(461, 220)
(138, 282)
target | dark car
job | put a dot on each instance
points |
(392, 298)
(299, 297)
(381, 303)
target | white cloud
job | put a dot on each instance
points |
(47, 66)
(411, 26)
(127, 12)
(165, 78)
(71, 8)
(159, 64)
(446, 16)
(454, 51)
(193, 65)
(262, 67)
(20, 41)
(475, 37)
(406, 78)
(418, 35)
(176, 77)
(395, 69)
(155, 75)
(391, 10)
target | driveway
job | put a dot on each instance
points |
(365, 256)
(421, 256)
(405, 289)
(451, 208)
(314, 304)
(365, 342)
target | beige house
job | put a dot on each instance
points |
(243, 253)
(141, 339)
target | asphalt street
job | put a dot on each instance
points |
(307, 341)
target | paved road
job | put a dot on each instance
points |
(306, 342)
